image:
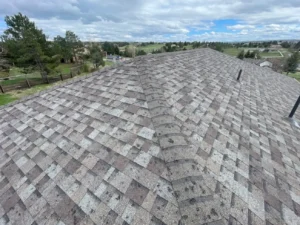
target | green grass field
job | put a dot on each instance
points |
(150, 48)
(295, 75)
(109, 63)
(232, 51)
(235, 52)
(6, 98)
(15, 71)
(20, 80)
(65, 68)
(270, 54)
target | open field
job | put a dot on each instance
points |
(150, 48)
(272, 54)
(235, 52)
(232, 51)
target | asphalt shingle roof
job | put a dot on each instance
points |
(162, 139)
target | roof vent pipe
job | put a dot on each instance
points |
(295, 107)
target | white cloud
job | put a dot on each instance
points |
(240, 27)
(161, 20)
(244, 32)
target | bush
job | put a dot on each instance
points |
(93, 69)
(85, 68)
(241, 55)
(219, 48)
(248, 54)
(141, 52)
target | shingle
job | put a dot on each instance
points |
(162, 139)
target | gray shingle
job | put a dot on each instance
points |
(161, 139)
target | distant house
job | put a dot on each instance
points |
(111, 57)
(275, 46)
(266, 64)
(260, 62)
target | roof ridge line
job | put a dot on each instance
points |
(165, 111)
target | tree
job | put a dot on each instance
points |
(73, 44)
(61, 48)
(219, 48)
(68, 47)
(291, 63)
(117, 50)
(130, 51)
(108, 47)
(248, 54)
(96, 55)
(241, 54)
(26, 45)
(255, 55)
(285, 44)
(141, 52)
(97, 59)
(297, 46)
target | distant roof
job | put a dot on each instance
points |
(162, 139)
(255, 61)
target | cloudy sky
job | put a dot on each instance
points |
(162, 20)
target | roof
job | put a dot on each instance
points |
(162, 139)
(255, 61)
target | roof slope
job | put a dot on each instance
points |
(163, 139)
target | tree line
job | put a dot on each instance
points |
(26, 46)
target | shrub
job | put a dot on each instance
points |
(141, 52)
(241, 55)
(85, 68)
(93, 69)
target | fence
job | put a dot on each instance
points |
(27, 81)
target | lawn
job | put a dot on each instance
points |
(3, 74)
(15, 95)
(188, 47)
(20, 80)
(295, 75)
(6, 98)
(109, 63)
(18, 94)
(150, 48)
(236, 51)
(65, 68)
(270, 54)
(232, 51)
(16, 71)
